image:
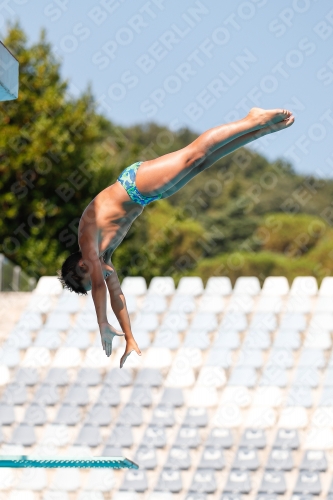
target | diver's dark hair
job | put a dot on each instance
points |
(71, 275)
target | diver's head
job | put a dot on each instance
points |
(74, 275)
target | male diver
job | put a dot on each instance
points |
(108, 217)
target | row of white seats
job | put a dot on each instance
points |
(171, 481)
(199, 394)
(181, 370)
(70, 303)
(314, 352)
(253, 340)
(273, 286)
(179, 321)
(97, 480)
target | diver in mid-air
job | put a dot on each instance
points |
(108, 217)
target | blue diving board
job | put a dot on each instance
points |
(9, 75)
(19, 461)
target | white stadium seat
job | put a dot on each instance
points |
(91, 495)
(240, 303)
(7, 478)
(257, 338)
(213, 304)
(323, 304)
(322, 321)
(67, 357)
(203, 397)
(270, 303)
(48, 337)
(79, 338)
(264, 321)
(153, 303)
(58, 321)
(326, 287)
(190, 285)
(275, 286)
(239, 395)
(134, 285)
(4, 375)
(146, 321)
(30, 321)
(180, 376)
(22, 495)
(299, 304)
(318, 340)
(19, 338)
(197, 339)
(228, 416)
(55, 495)
(247, 285)
(68, 302)
(99, 480)
(304, 285)
(37, 357)
(174, 321)
(129, 495)
(293, 321)
(182, 304)
(32, 479)
(228, 340)
(218, 286)
(245, 376)
(288, 339)
(9, 356)
(96, 358)
(311, 358)
(261, 418)
(211, 376)
(67, 480)
(293, 417)
(164, 286)
(86, 320)
(157, 357)
(189, 355)
(204, 321)
(48, 285)
(268, 396)
(40, 303)
(319, 439)
(56, 435)
(235, 321)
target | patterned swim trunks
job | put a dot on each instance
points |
(127, 180)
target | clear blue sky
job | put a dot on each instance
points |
(199, 63)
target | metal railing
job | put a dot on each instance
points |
(13, 279)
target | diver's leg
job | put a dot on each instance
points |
(159, 175)
(223, 151)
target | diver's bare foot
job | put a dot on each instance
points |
(269, 129)
(262, 118)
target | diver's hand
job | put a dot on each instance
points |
(131, 346)
(108, 332)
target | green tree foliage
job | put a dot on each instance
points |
(242, 216)
(46, 139)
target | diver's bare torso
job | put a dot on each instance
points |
(107, 219)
